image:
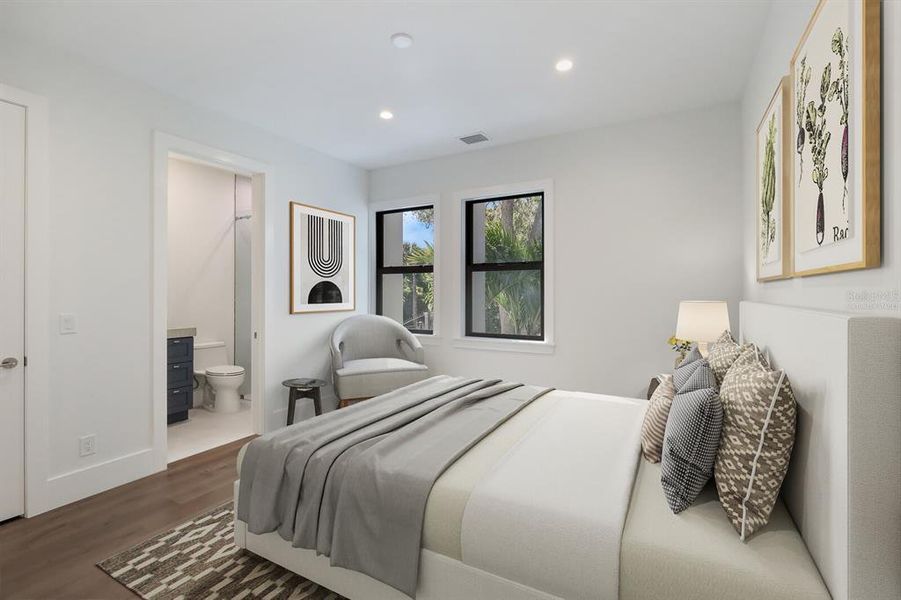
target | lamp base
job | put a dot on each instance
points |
(702, 348)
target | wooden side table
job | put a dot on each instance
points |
(304, 387)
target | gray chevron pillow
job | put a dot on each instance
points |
(654, 425)
(690, 445)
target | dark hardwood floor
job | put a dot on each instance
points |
(54, 555)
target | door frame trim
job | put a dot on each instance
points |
(165, 145)
(37, 296)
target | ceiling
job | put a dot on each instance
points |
(319, 73)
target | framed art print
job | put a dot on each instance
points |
(836, 123)
(773, 198)
(322, 260)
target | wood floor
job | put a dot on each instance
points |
(54, 555)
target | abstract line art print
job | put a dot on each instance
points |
(322, 260)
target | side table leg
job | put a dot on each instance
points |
(317, 403)
(292, 400)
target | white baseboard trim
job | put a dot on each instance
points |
(75, 485)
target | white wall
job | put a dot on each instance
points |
(201, 215)
(101, 131)
(840, 291)
(647, 214)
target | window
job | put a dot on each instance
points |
(505, 267)
(405, 264)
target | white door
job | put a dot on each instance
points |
(12, 310)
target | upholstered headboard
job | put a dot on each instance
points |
(844, 483)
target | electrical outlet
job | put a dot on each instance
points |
(87, 445)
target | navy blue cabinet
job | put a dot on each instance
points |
(180, 378)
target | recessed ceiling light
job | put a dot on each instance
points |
(563, 65)
(402, 40)
(386, 115)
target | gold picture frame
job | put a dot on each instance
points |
(774, 186)
(837, 128)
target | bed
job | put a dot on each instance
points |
(555, 503)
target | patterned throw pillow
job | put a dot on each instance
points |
(655, 419)
(750, 357)
(685, 369)
(758, 436)
(723, 353)
(690, 446)
(691, 357)
(702, 377)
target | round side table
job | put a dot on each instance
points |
(304, 387)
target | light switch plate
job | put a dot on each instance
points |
(68, 324)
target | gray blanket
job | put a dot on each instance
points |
(353, 484)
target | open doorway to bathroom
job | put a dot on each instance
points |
(209, 316)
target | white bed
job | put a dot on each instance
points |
(515, 518)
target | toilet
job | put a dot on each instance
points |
(219, 380)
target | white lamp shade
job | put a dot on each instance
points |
(702, 321)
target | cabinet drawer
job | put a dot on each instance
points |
(179, 399)
(180, 350)
(180, 375)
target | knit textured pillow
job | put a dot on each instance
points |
(702, 377)
(685, 369)
(655, 417)
(758, 436)
(693, 355)
(690, 445)
(723, 353)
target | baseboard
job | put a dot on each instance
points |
(78, 484)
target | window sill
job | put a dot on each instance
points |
(428, 339)
(501, 345)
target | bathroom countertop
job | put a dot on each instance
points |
(180, 332)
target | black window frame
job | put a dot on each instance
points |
(381, 269)
(485, 267)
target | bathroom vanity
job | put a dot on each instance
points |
(180, 373)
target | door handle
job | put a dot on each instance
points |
(9, 363)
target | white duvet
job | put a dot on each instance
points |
(550, 513)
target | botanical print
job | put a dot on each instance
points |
(840, 90)
(768, 195)
(771, 156)
(801, 81)
(322, 260)
(822, 199)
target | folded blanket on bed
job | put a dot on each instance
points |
(353, 484)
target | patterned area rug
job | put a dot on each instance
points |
(199, 559)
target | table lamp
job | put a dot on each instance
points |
(702, 321)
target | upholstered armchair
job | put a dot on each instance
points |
(372, 355)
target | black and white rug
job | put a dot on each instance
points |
(199, 559)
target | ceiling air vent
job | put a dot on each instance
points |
(475, 138)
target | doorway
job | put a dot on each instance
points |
(210, 214)
(208, 298)
(12, 317)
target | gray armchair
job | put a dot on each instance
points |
(373, 355)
